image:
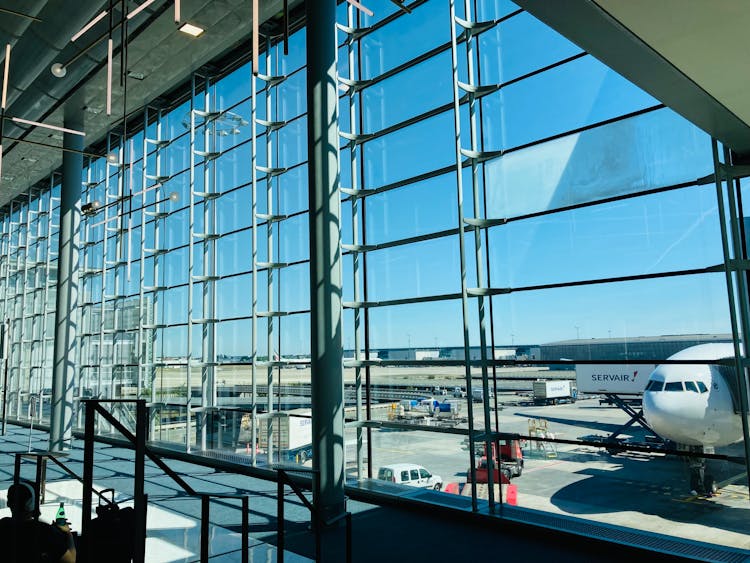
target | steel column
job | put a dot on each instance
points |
(462, 248)
(64, 371)
(358, 313)
(271, 67)
(327, 387)
(254, 252)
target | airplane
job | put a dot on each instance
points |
(695, 405)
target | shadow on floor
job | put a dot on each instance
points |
(391, 534)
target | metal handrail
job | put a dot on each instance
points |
(139, 442)
(205, 510)
(41, 472)
(285, 479)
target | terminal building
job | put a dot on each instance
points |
(235, 236)
(624, 349)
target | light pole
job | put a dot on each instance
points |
(578, 332)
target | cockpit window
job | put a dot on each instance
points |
(673, 386)
(655, 385)
(702, 387)
(690, 386)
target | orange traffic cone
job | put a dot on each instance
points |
(511, 495)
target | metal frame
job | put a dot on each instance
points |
(202, 247)
(152, 217)
(736, 272)
(203, 121)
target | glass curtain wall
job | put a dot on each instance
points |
(28, 277)
(513, 211)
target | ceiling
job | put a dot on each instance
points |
(690, 54)
(158, 54)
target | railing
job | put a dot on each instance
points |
(41, 472)
(318, 522)
(138, 440)
(205, 510)
(93, 407)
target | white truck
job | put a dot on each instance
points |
(291, 434)
(553, 391)
(477, 394)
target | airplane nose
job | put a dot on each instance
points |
(668, 416)
(655, 408)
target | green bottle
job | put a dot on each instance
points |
(60, 518)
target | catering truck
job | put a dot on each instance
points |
(553, 391)
(291, 434)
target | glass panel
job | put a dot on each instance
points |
(234, 253)
(388, 102)
(625, 310)
(404, 327)
(649, 151)
(235, 295)
(413, 210)
(675, 230)
(520, 45)
(385, 48)
(416, 270)
(398, 155)
(443, 457)
(574, 95)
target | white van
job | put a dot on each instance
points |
(410, 474)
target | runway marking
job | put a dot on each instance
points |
(531, 470)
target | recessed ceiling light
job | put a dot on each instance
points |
(191, 29)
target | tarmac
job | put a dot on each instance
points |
(634, 500)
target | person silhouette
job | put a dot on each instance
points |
(24, 539)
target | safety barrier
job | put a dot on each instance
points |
(318, 522)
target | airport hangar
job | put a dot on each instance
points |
(139, 164)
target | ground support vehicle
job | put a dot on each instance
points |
(553, 391)
(509, 464)
(427, 412)
(477, 394)
(411, 475)
(291, 436)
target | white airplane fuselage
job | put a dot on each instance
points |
(691, 403)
